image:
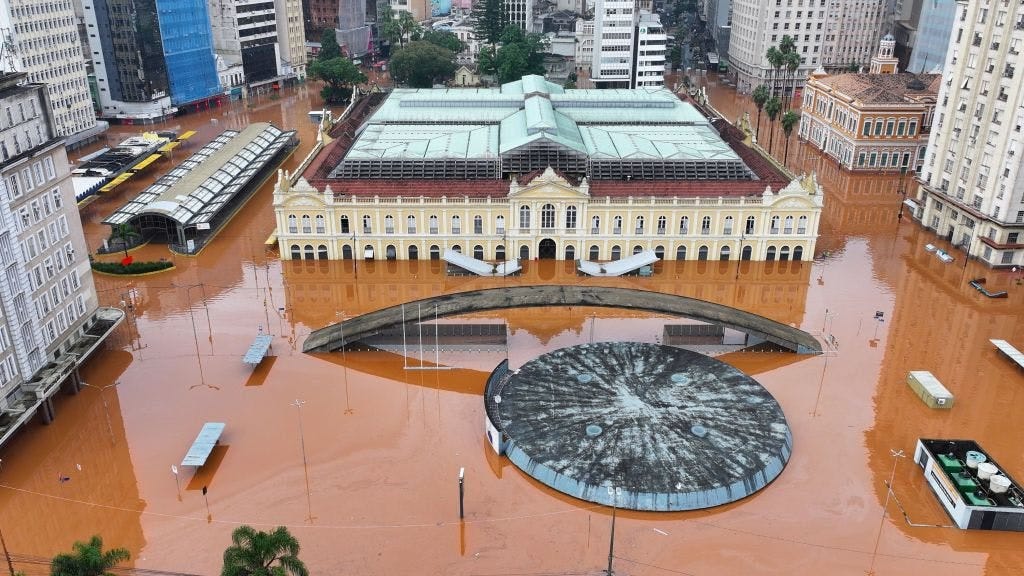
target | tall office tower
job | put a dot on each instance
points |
(852, 30)
(47, 296)
(719, 19)
(934, 25)
(520, 13)
(42, 39)
(353, 33)
(252, 33)
(151, 57)
(292, 33)
(760, 24)
(972, 186)
(629, 46)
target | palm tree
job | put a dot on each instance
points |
(788, 121)
(760, 96)
(774, 57)
(407, 26)
(125, 232)
(772, 108)
(792, 62)
(254, 553)
(88, 559)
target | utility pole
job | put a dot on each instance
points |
(7, 555)
(614, 493)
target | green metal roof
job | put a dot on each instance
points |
(656, 142)
(426, 141)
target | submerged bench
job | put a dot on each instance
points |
(1011, 352)
(258, 349)
(205, 441)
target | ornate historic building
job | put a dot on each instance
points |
(529, 170)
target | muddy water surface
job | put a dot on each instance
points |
(364, 470)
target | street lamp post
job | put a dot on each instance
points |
(106, 408)
(903, 193)
(302, 438)
(614, 493)
(739, 256)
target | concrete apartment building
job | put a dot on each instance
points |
(257, 34)
(48, 306)
(931, 38)
(834, 34)
(629, 46)
(972, 188)
(718, 14)
(42, 40)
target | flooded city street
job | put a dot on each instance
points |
(363, 470)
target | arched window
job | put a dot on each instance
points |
(617, 225)
(346, 252)
(293, 224)
(638, 249)
(684, 225)
(367, 228)
(432, 223)
(751, 221)
(457, 249)
(705, 225)
(414, 252)
(770, 255)
(659, 251)
(499, 253)
(747, 253)
(798, 253)
(524, 252)
(595, 225)
(775, 225)
(524, 217)
(296, 252)
(662, 225)
(723, 254)
(478, 224)
(702, 253)
(410, 225)
(500, 225)
(389, 224)
(390, 253)
(570, 219)
(478, 252)
(307, 227)
(307, 252)
(639, 225)
(547, 216)
(321, 252)
(456, 224)
(727, 226)
(681, 253)
(616, 252)
(570, 252)
(801, 225)
(784, 254)
(368, 252)
(789, 225)
(595, 252)
(321, 227)
(344, 225)
(435, 252)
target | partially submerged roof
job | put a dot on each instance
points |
(884, 88)
(195, 190)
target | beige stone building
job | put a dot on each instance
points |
(529, 170)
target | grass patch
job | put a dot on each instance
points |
(133, 268)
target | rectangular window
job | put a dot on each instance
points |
(48, 168)
(12, 185)
(901, 128)
(878, 128)
(913, 128)
(26, 179)
(867, 127)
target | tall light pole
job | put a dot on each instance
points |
(106, 408)
(302, 438)
(614, 493)
(896, 455)
(903, 193)
(195, 333)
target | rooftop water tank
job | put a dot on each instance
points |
(986, 470)
(999, 484)
(974, 458)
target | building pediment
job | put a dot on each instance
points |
(301, 199)
(549, 185)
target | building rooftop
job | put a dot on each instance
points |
(884, 88)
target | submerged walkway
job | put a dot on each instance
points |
(336, 336)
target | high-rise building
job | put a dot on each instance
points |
(48, 305)
(833, 34)
(254, 33)
(719, 22)
(41, 38)
(972, 186)
(629, 46)
(934, 25)
(520, 13)
(292, 33)
(151, 57)
(353, 32)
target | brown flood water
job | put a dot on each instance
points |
(382, 445)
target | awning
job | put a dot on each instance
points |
(149, 160)
(169, 146)
(272, 239)
(187, 135)
(115, 182)
(911, 203)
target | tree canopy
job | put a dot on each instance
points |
(489, 18)
(256, 553)
(340, 75)
(88, 559)
(422, 64)
(518, 55)
(328, 45)
(444, 39)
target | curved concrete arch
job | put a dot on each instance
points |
(333, 337)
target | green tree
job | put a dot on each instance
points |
(125, 233)
(256, 553)
(792, 62)
(408, 26)
(760, 96)
(422, 64)
(788, 121)
(772, 109)
(387, 24)
(88, 559)
(520, 54)
(444, 39)
(340, 76)
(486, 60)
(787, 44)
(328, 45)
(774, 57)
(489, 19)
(570, 81)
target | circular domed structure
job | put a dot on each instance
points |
(670, 428)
